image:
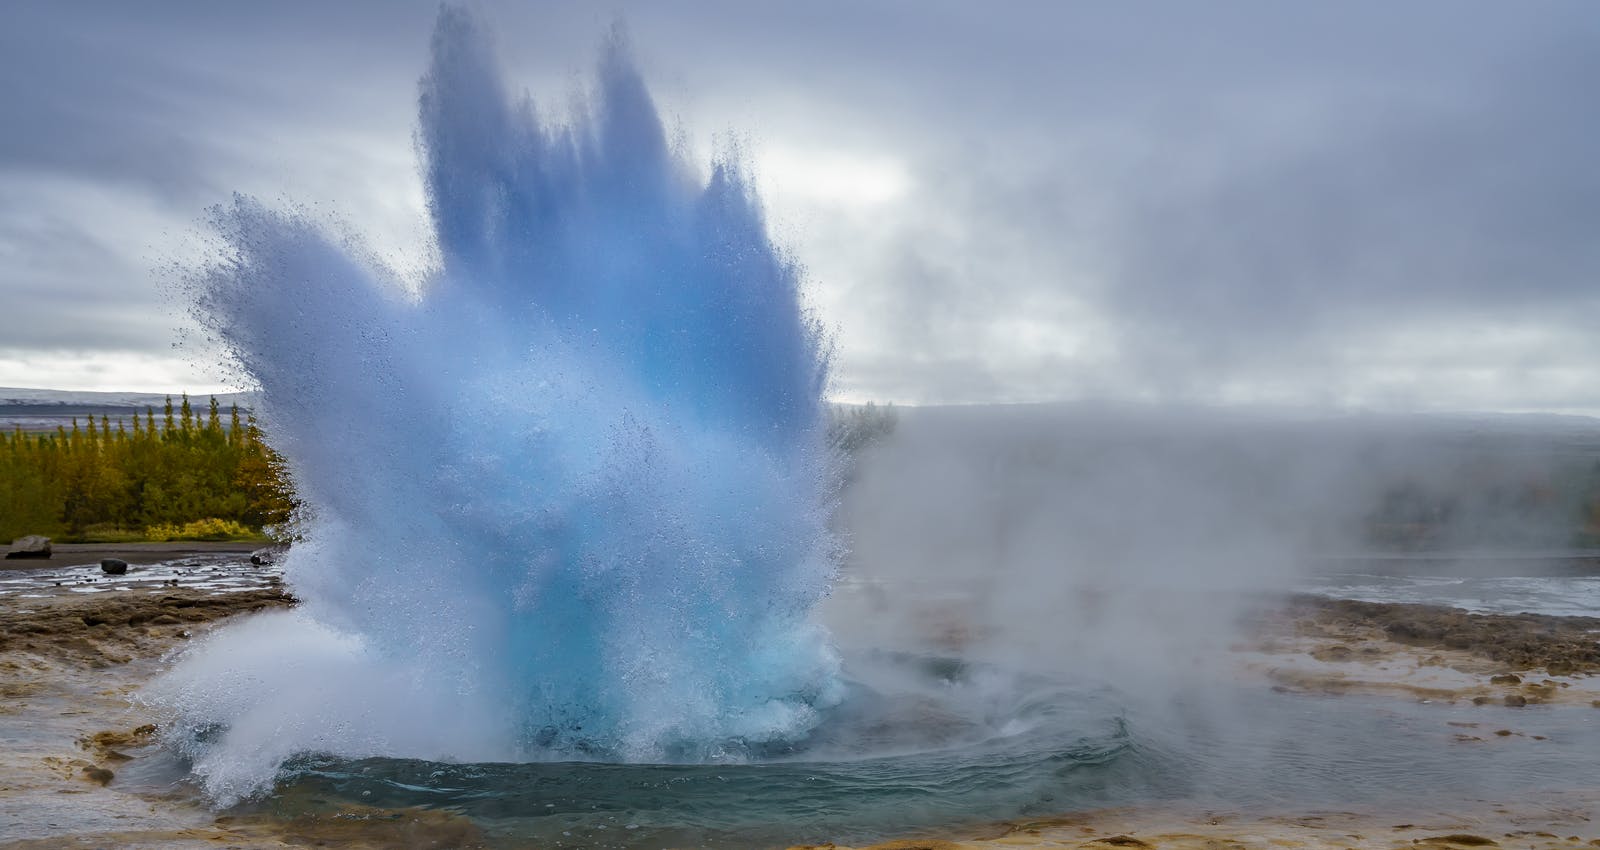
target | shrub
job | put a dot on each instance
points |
(209, 528)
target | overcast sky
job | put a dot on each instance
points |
(1371, 205)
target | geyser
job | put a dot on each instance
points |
(568, 499)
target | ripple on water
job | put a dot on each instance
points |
(980, 753)
(932, 751)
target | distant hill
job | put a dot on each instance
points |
(15, 396)
(44, 410)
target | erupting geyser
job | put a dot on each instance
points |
(568, 501)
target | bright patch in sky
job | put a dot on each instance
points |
(835, 178)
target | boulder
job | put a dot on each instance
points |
(113, 566)
(32, 546)
(268, 556)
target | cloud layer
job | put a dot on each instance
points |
(1360, 205)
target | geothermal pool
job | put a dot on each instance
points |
(932, 735)
(930, 739)
(1332, 754)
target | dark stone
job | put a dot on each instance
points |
(1516, 700)
(31, 546)
(1462, 839)
(267, 556)
(113, 566)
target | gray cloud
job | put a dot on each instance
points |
(1299, 203)
(1259, 222)
(1472, 209)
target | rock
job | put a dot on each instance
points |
(1505, 679)
(1516, 700)
(268, 556)
(1460, 839)
(98, 775)
(113, 566)
(31, 546)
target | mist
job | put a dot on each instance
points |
(1125, 544)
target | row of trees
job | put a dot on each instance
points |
(110, 479)
(851, 427)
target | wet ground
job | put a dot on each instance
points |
(1359, 712)
(1576, 595)
(75, 646)
(64, 555)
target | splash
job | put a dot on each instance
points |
(570, 501)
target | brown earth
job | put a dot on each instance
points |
(1425, 652)
(69, 664)
(98, 629)
(349, 828)
(1556, 821)
(1560, 645)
